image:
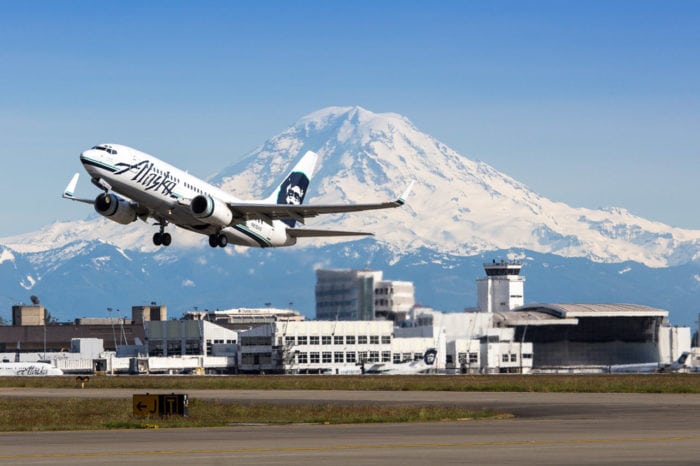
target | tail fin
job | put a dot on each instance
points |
(429, 357)
(295, 185)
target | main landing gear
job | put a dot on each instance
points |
(161, 238)
(219, 240)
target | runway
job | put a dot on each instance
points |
(551, 429)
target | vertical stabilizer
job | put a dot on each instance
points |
(295, 185)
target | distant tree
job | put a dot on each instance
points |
(3, 321)
(35, 300)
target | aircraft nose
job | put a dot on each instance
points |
(87, 155)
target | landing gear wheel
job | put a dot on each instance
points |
(218, 240)
(157, 239)
(223, 241)
(166, 239)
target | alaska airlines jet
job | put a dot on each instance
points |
(28, 368)
(138, 185)
(421, 366)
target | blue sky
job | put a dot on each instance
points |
(589, 103)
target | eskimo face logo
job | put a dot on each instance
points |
(293, 189)
(430, 357)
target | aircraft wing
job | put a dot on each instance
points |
(269, 212)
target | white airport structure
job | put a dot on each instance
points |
(361, 295)
(500, 335)
(502, 289)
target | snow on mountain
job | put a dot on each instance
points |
(458, 206)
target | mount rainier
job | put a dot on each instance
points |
(461, 213)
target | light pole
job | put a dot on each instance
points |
(114, 335)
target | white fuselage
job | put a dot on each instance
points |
(164, 190)
(28, 368)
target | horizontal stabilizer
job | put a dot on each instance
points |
(309, 233)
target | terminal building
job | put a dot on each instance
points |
(361, 295)
(366, 320)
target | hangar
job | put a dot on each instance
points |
(570, 335)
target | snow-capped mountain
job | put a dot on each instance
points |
(458, 206)
(459, 209)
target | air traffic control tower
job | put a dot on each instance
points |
(502, 289)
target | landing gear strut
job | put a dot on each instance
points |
(161, 238)
(219, 240)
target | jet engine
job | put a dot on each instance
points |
(115, 208)
(211, 211)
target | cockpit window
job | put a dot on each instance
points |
(107, 149)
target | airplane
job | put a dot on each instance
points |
(28, 368)
(421, 366)
(136, 185)
(684, 363)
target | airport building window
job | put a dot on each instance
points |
(326, 355)
(374, 356)
(386, 356)
(362, 340)
(193, 347)
(473, 358)
(302, 358)
(338, 356)
(314, 357)
(374, 340)
(256, 341)
(350, 356)
(504, 358)
(397, 358)
(156, 348)
(302, 340)
(513, 358)
(362, 356)
(417, 356)
(527, 356)
(406, 357)
(326, 340)
(350, 339)
(289, 340)
(313, 340)
(174, 348)
(338, 340)
(386, 340)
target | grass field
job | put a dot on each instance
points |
(648, 383)
(34, 414)
(28, 414)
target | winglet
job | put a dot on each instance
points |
(69, 192)
(402, 198)
(70, 189)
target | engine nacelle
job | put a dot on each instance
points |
(115, 208)
(211, 211)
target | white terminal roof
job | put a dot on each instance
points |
(568, 314)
